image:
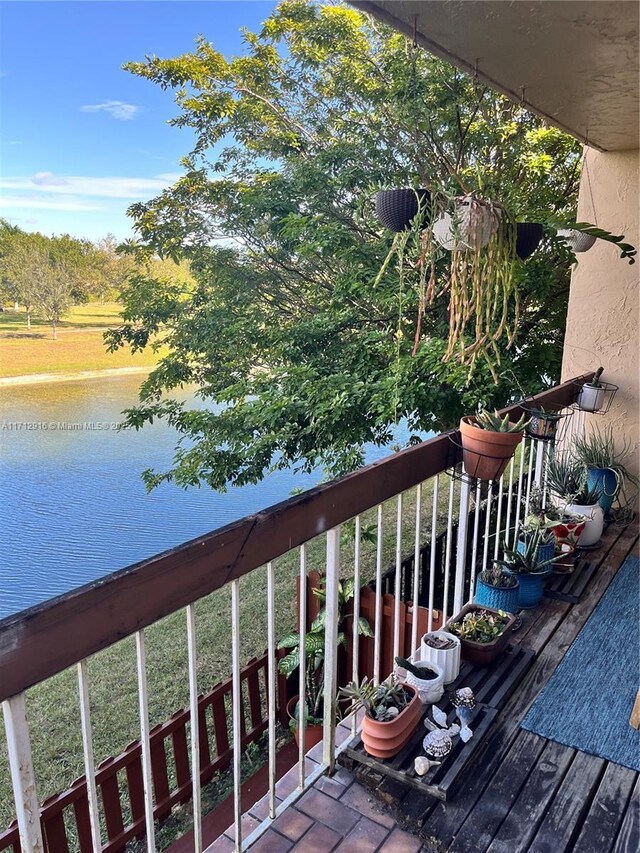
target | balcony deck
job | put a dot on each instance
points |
(522, 793)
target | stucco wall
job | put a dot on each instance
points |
(602, 323)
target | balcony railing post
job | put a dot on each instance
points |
(22, 776)
(331, 649)
(461, 544)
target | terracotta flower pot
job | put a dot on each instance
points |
(386, 739)
(486, 453)
(312, 734)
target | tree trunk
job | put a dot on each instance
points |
(55, 330)
(16, 307)
(28, 310)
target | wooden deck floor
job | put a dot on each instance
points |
(522, 793)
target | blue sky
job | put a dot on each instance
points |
(81, 139)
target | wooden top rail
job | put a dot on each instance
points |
(46, 639)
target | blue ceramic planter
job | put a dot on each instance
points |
(499, 598)
(531, 590)
(545, 551)
(605, 480)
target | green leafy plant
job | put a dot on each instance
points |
(314, 650)
(526, 561)
(494, 423)
(381, 702)
(498, 577)
(480, 626)
(626, 249)
(567, 478)
(598, 450)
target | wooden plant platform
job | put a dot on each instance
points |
(570, 587)
(492, 686)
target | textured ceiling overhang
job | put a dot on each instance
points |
(573, 62)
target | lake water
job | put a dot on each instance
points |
(73, 506)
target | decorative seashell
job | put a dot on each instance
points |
(422, 765)
(465, 734)
(439, 716)
(437, 744)
(463, 698)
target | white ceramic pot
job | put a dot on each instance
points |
(594, 525)
(470, 227)
(591, 398)
(577, 241)
(447, 659)
(430, 690)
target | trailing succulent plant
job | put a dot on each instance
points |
(567, 478)
(498, 577)
(381, 702)
(492, 422)
(480, 626)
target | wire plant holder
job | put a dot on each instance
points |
(602, 401)
(548, 425)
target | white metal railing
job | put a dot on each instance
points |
(472, 548)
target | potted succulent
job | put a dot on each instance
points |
(543, 423)
(483, 632)
(397, 208)
(530, 570)
(488, 443)
(443, 650)
(537, 521)
(567, 482)
(591, 396)
(580, 237)
(564, 526)
(498, 589)
(392, 711)
(427, 678)
(566, 554)
(470, 226)
(314, 665)
(604, 465)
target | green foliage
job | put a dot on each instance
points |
(567, 478)
(301, 354)
(626, 249)
(494, 423)
(425, 672)
(479, 625)
(526, 561)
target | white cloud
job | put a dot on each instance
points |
(63, 203)
(117, 109)
(85, 185)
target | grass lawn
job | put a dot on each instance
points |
(80, 345)
(52, 707)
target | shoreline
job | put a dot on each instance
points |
(34, 378)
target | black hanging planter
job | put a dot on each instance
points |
(528, 238)
(397, 208)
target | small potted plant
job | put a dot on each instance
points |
(564, 526)
(567, 482)
(498, 589)
(537, 522)
(530, 570)
(543, 423)
(443, 650)
(483, 632)
(604, 465)
(427, 678)
(591, 396)
(566, 554)
(392, 711)
(488, 443)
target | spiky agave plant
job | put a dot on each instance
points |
(494, 423)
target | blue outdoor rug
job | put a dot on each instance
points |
(587, 702)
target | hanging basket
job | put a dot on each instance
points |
(528, 238)
(471, 226)
(577, 241)
(396, 209)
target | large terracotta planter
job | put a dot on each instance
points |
(486, 454)
(312, 734)
(482, 654)
(386, 739)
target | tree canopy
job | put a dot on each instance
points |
(301, 357)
